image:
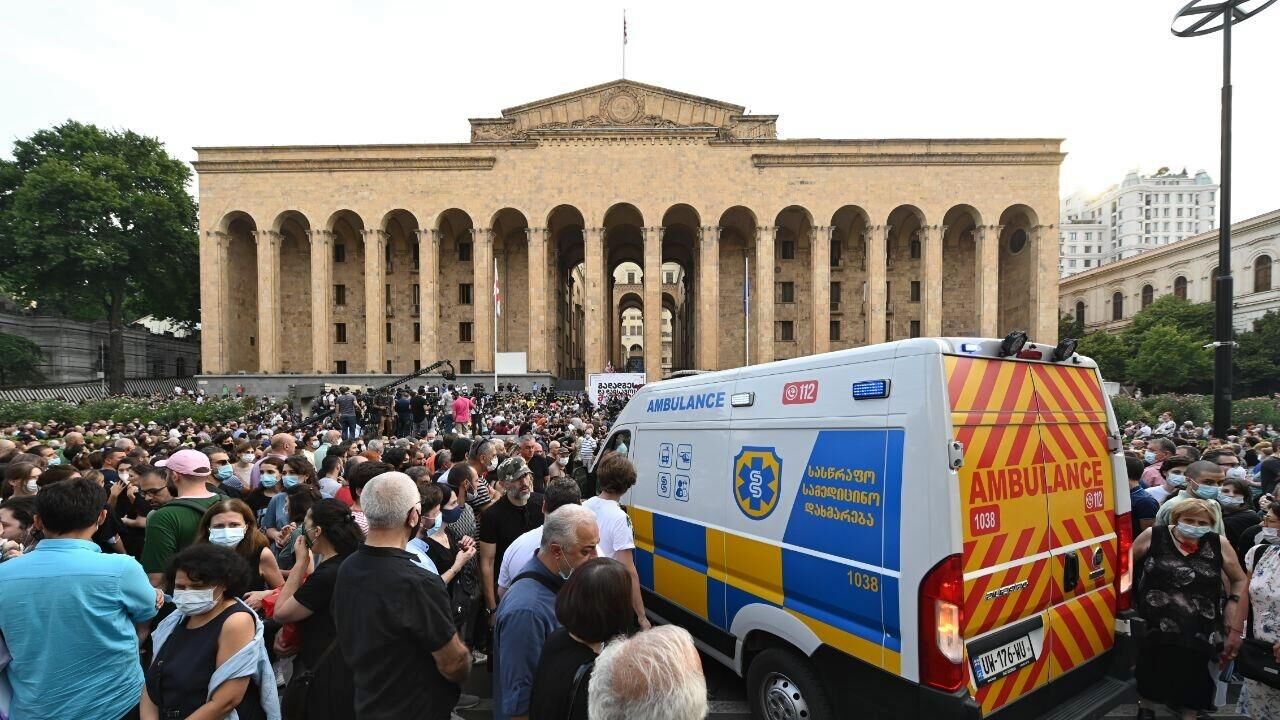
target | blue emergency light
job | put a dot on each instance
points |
(870, 389)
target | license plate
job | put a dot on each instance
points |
(1007, 659)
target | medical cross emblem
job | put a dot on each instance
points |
(757, 481)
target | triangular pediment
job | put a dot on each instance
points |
(626, 106)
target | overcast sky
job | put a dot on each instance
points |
(1106, 75)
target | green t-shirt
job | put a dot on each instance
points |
(172, 528)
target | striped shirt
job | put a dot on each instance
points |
(587, 449)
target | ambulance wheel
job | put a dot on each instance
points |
(782, 685)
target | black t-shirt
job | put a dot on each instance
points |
(390, 615)
(1269, 474)
(106, 531)
(418, 405)
(538, 465)
(503, 522)
(315, 595)
(553, 695)
(1237, 522)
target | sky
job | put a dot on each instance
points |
(1105, 75)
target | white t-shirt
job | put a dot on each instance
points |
(518, 554)
(1159, 493)
(615, 526)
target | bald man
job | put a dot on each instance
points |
(282, 446)
(73, 443)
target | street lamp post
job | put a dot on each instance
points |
(1202, 17)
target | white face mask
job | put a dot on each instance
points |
(227, 537)
(562, 461)
(315, 444)
(246, 458)
(1268, 534)
(194, 602)
(493, 464)
(32, 486)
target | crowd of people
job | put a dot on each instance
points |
(1206, 552)
(358, 567)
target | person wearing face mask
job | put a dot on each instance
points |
(210, 658)
(243, 466)
(20, 478)
(1157, 451)
(394, 622)
(1237, 515)
(1262, 563)
(1173, 479)
(482, 455)
(527, 615)
(268, 488)
(230, 523)
(444, 548)
(1204, 481)
(1181, 601)
(296, 472)
(516, 512)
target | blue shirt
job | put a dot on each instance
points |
(418, 547)
(1143, 507)
(67, 613)
(526, 617)
(276, 515)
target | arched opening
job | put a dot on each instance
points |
(738, 329)
(848, 277)
(456, 330)
(567, 299)
(960, 281)
(792, 289)
(676, 326)
(623, 242)
(403, 295)
(1017, 270)
(240, 293)
(511, 250)
(1080, 313)
(1262, 273)
(630, 321)
(348, 331)
(1148, 295)
(904, 287)
(681, 226)
(1180, 287)
(1117, 306)
(295, 292)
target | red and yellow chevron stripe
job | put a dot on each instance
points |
(988, 392)
(1084, 628)
(982, 613)
(999, 693)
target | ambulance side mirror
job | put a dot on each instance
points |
(955, 451)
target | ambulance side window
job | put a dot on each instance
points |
(620, 442)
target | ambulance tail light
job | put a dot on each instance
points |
(1124, 574)
(941, 611)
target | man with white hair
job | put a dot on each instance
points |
(654, 675)
(395, 622)
(327, 440)
(527, 613)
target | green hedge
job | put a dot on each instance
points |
(124, 409)
(1196, 408)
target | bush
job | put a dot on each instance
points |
(1126, 409)
(1260, 410)
(1196, 408)
(145, 410)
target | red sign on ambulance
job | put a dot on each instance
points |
(800, 393)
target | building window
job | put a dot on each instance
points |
(1262, 274)
(388, 329)
(386, 298)
(1017, 241)
(915, 329)
(388, 367)
(1080, 312)
(417, 333)
(837, 253)
(787, 249)
(415, 254)
(339, 252)
(786, 292)
(1071, 263)
(417, 365)
(464, 293)
(389, 254)
(915, 291)
(631, 278)
(835, 330)
(1213, 285)
(340, 332)
(1117, 306)
(669, 278)
(340, 367)
(415, 297)
(340, 295)
(464, 332)
(465, 366)
(835, 295)
(914, 248)
(1148, 294)
(180, 367)
(784, 331)
(464, 252)
(1088, 263)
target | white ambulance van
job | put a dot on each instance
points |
(932, 528)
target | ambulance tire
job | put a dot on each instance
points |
(782, 685)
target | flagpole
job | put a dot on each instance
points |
(496, 309)
(746, 309)
(624, 44)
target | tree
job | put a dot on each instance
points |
(1069, 327)
(1169, 358)
(1109, 351)
(1258, 357)
(20, 360)
(99, 223)
(1196, 318)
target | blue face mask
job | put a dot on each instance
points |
(269, 480)
(225, 472)
(291, 481)
(1207, 492)
(55, 460)
(1177, 480)
(1149, 457)
(1194, 532)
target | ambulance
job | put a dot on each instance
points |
(932, 528)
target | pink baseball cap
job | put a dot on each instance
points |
(187, 462)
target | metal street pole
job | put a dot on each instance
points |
(1203, 16)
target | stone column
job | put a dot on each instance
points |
(322, 301)
(877, 276)
(708, 339)
(594, 330)
(213, 301)
(931, 285)
(1044, 284)
(820, 262)
(762, 300)
(482, 298)
(429, 347)
(375, 310)
(988, 280)
(539, 340)
(268, 243)
(653, 303)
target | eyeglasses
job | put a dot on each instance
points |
(153, 491)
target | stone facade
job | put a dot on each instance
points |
(1109, 296)
(917, 237)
